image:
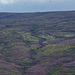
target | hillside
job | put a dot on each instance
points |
(41, 43)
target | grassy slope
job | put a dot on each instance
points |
(37, 43)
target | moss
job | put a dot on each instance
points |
(54, 49)
(64, 34)
(34, 46)
(28, 37)
(56, 73)
(48, 37)
(6, 52)
(26, 60)
(13, 29)
(13, 71)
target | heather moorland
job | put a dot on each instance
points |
(41, 43)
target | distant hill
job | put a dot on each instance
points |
(41, 43)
